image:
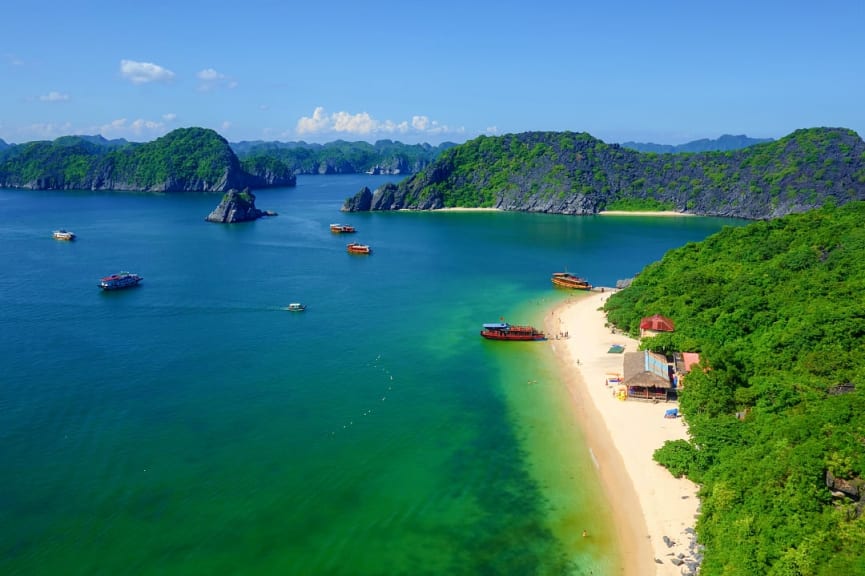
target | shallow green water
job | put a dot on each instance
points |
(191, 426)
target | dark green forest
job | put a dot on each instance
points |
(776, 411)
(574, 173)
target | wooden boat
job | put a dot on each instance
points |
(342, 229)
(296, 307)
(568, 280)
(354, 248)
(505, 331)
(63, 235)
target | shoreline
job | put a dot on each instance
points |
(650, 506)
(664, 213)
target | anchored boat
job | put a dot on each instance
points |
(354, 248)
(505, 331)
(342, 229)
(568, 280)
(119, 281)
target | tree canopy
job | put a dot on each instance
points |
(776, 411)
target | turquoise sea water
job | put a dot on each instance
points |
(192, 426)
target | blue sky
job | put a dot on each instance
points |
(666, 72)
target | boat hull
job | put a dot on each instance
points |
(506, 336)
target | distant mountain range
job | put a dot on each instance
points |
(721, 144)
(338, 157)
(341, 157)
(553, 172)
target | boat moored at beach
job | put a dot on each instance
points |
(119, 281)
(63, 235)
(342, 229)
(296, 307)
(354, 248)
(571, 281)
(505, 331)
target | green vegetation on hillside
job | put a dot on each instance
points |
(574, 173)
(341, 157)
(640, 205)
(184, 159)
(777, 410)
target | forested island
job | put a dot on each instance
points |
(575, 173)
(776, 409)
(186, 159)
(341, 157)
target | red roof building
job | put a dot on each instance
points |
(652, 325)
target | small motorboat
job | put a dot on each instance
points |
(296, 307)
(63, 235)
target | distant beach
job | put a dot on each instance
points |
(467, 209)
(643, 213)
(649, 504)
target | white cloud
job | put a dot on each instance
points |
(492, 130)
(362, 124)
(209, 75)
(54, 96)
(122, 128)
(170, 117)
(318, 123)
(225, 126)
(144, 72)
(211, 79)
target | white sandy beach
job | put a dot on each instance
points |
(643, 213)
(648, 502)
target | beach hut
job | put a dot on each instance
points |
(647, 376)
(652, 325)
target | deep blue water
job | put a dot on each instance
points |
(192, 426)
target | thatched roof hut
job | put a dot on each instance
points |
(646, 375)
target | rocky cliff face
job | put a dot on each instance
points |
(569, 173)
(236, 207)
